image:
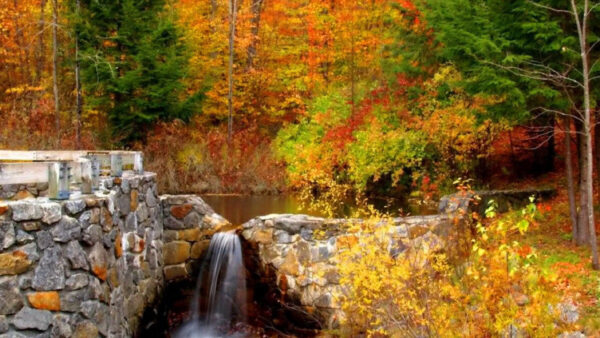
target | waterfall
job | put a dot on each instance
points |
(220, 297)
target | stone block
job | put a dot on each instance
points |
(46, 300)
(173, 272)
(52, 212)
(14, 263)
(26, 211)
(176, 252)
(180, 211)
(199, 248)
(11, 300)
(29, 318)
(49, 274)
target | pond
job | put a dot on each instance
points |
(241, 208)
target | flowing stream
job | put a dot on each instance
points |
(220, 296)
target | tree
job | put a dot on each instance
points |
(132, 63)
(233, 8)
(533, 55)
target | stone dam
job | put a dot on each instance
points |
(93, 264)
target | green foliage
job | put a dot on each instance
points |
(132, 63)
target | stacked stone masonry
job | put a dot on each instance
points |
(89, 266)
(303, 252)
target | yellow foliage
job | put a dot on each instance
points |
(423, 291)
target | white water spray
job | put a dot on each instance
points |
(222, 283)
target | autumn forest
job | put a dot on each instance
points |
(339, 100)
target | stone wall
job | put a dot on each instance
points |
(305, 263)
(91, 265)
(189, 223)
(82, 267)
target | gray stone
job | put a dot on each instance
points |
(92, 234)
(151, 199)
(29, 318)
(125, 188)
(142, 212)
(172, 223)
(76, 256)
(26, 211)
(67, 229)
(70, 301)
(74, 206)
(282, 237)
(131, 222)
(3, 324)
(97, 290)
(575, 334)
(13, 334)
(97, 312)
(7, 234)
(52, 212)
(11, 300)
(568, 312)
(77, 281)
(124, 204)
(192, 220)
(98, 259)
(50, 273)
(31, 251)
(31, 226)
(61, 327)
(24, 237)
(44, 239)
(25, 281)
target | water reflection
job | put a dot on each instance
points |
(241, 208)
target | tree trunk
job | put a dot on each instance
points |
(232, 20)
(570, 183)
(587, 170)
(255, 22)
(78, 103)
(582, 219)
(551, 151)
(55, 66)
(41, 50)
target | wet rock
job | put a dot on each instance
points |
(11, 300)
(49, 274)
(74, 206)
(77, 281)
(7, 234)
(76, 256)
(51, 212)
(26, 211)
(67, 229)
(29, 318)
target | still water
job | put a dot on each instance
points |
(241, 208)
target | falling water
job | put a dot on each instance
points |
(220, 291)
